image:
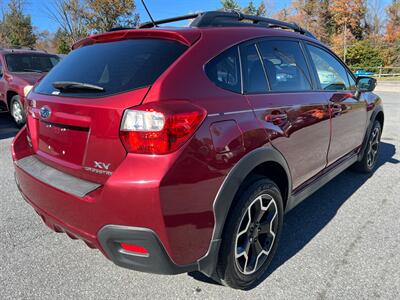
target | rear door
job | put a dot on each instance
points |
(280, 87)
(349, 112)
(75, 112)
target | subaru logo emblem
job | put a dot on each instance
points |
(45, 112)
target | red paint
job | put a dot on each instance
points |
(173, 193)
(14, 83)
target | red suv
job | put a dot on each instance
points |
(180, 149)
(19, 71)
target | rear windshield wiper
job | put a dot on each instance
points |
(72, 85)
(33, 70)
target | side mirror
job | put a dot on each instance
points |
(366, 84)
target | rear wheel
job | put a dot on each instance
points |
(17, 111)
(251, 235)
(370, 155)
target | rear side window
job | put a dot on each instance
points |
(285, 66)
(331, 73)
(253, 71)
(224, 70)
(115, 66)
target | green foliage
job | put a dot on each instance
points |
(250, 9)
(61, 42)
(363, 54)
(230, 5)
(17, 28)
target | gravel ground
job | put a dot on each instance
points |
(342, 242)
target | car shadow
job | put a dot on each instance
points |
(306, 220)
(8, 128)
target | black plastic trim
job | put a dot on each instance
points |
(377, 110)
(226, 195)
(158, 260)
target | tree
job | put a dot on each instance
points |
(230, 5)
(17, 28)
(60, 42)
(261, 10)
(70, 16)
(363, 54)
(393, 22)
(349, 14)
(250, 9)
(103, 15)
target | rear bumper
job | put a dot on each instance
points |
(109, 238)
(175, 218)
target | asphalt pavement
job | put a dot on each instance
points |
(341, 243)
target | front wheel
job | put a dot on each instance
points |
(17, 111)
(251, 235)
(370, 155)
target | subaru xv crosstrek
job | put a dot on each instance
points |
(180, 149)
(19, 71)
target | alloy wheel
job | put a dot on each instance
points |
(17, 112)
(373, 146)
(256, 234)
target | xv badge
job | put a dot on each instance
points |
(101, 165)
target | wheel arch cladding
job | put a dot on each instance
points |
(265, 161)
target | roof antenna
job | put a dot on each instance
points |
(151, 18)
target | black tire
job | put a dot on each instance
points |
(17, 111)
(232, 268)
(368, 161)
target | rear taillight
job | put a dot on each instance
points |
(160, 128)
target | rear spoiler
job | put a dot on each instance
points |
(185, 36)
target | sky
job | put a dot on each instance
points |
(160, 9)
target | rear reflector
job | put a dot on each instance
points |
(134, 249)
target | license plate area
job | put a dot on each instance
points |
(63, 142)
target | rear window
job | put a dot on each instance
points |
(26, 62)
(116, 67)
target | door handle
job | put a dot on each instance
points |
(276, 118)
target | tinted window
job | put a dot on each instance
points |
(27, 62)
(331, 73)
(253, 71)
(285, 66)
(116, 66)
(352, 82)
(224, 70)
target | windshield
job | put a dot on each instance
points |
(31, 62)
(112, 68)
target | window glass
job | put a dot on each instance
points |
(116, 67)
(224, 70)
(1, 70)
(285, 66)
(253, 71)
(352, 82)
(331, 73)
(27, 62)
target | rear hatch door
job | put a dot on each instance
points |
(76, 110)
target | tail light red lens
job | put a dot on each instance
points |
(160, 127)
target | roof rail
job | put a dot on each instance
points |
(229, 19)
(169, 20)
